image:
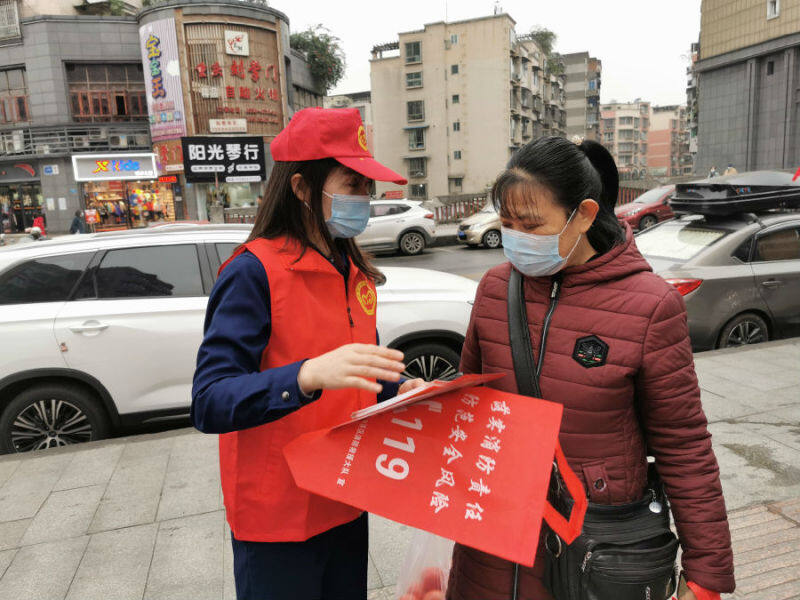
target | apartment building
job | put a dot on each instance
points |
(668, 142)
(583, 95)
(745, 83)
(624, 127)
(452, 101)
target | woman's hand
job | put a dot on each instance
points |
(411, 384)
(351, 366)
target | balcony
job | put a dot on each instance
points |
(70, 139)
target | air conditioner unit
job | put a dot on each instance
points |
(18, 140)
(42, 149)
(99, 135)
(118, 141)
(141, 139)
(80, 141)
(7, 146)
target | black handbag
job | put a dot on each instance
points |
(624, 552)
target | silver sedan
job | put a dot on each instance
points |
(739, 275)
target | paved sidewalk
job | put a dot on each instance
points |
(141, 517)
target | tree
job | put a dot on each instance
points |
(546, 40)
(323, 53)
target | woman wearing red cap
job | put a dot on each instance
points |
(290, 347)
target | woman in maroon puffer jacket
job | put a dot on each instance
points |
(616, 354)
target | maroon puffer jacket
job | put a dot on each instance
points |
(617, 342)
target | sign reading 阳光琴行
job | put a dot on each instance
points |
(225, 159)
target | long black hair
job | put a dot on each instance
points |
(573, 173)
(282, 213)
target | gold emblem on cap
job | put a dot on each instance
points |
(362, 138)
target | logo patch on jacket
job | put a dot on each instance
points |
(366, 297)
(590, 352)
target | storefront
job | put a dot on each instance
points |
(123, 191)
(20, 196)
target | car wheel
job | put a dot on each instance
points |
(411, 243)
(430, 362)
(647, 221)
(492, 239)
(747, 328)
(49, 416)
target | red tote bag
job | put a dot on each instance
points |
(471, 465)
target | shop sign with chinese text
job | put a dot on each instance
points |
(227, 125)
(162, 75)
(241, 82)
(472, 465)
(169, 156)
(226, 159)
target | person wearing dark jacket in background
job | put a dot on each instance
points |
(612, 341)
(78, 224)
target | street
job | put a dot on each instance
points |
(458, 260)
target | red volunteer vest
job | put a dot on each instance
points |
(312, 313)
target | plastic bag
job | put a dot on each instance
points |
(426, 568)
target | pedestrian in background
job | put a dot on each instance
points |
(78, 224)
(611, 343)
(290, 347)
(712, 172)
(731, 170)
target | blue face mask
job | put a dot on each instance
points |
(533, 254)
(349, 215)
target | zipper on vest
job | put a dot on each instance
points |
(555, 290)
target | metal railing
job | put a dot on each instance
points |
(458, 207)
(69, 139)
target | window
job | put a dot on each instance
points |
(418, 190)
(780, 245)
(413, 52)
(416, 139)
(457, 126)
(155, 271)
(773, 9)
(414, 80)
(48, 279)
(626, 120)
(454, 69)
(386, 210)
(456, 154)
(225, 250)
(106, 92)
(743, 251)
(453, 38)
(456, 99)
(13, 96)
(771, 67)
(416, 110)
(636, 122)
(417, 167)
(9, 19)
(456, 184)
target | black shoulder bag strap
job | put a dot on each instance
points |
(519, 335)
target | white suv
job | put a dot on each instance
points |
(398, 224)
(101, 331)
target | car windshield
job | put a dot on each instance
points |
(650, 196)
(678, 240)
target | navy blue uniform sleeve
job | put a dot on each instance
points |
(230, 392)
(390, 388)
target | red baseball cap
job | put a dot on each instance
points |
(316, 133)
